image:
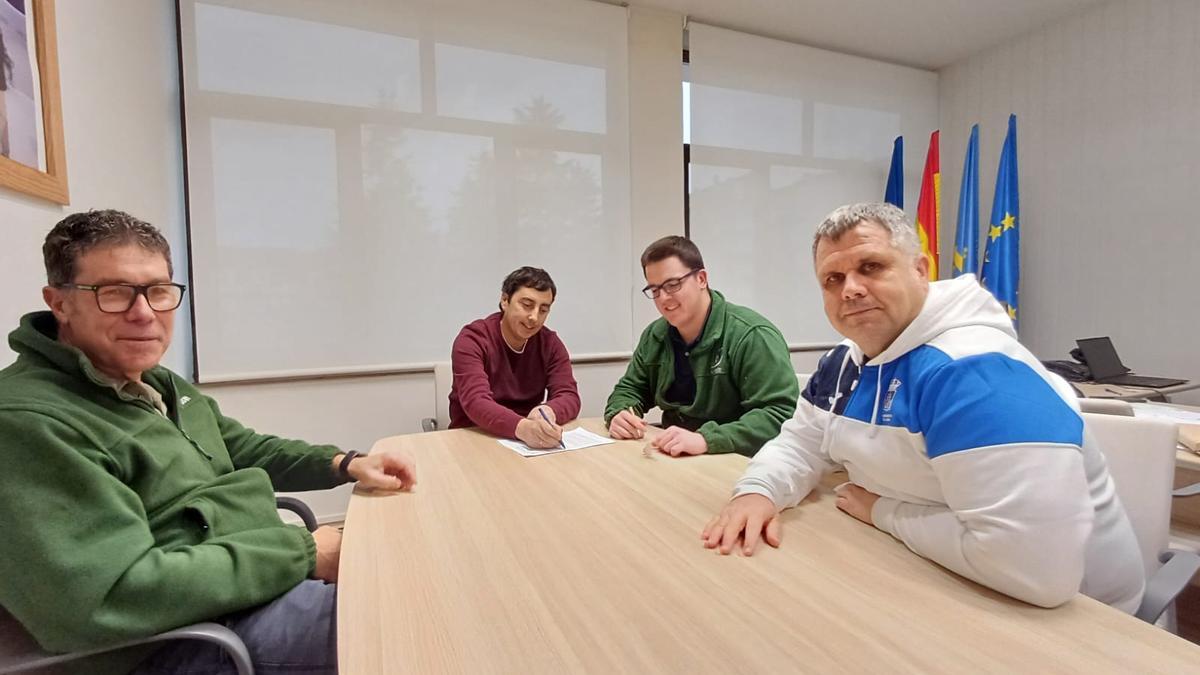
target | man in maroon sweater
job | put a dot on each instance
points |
(512, 376)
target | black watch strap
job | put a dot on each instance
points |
(344, 465)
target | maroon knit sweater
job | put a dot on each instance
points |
(494, 387)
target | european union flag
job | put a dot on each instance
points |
(1001, 260)
(894, 194)
(966, 237)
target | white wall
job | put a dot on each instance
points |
(1108, 141)
(120, 95)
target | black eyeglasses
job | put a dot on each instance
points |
(671, 286)
(119, 298)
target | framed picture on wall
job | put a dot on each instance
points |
(32, 155)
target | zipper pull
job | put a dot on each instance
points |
(198, 446)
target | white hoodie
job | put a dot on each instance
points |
(978, 453)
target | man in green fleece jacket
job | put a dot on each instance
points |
(720, 373)
(129, 504)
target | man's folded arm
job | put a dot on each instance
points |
(81, 567)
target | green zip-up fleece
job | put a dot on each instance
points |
(745, 385)
(117, 522)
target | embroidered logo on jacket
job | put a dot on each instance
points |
(183, 400)
(888, 400)
(717, 368)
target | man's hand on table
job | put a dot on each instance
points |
(747, 518)
(383, 470)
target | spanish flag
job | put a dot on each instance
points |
(929, 206)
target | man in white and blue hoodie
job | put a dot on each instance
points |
(956, 440)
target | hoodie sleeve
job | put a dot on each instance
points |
(293, 465)
(767, 390)
(787, 468)
(636, 387)
(1006, 451)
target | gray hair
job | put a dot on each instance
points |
(845, 218)
(79, 233)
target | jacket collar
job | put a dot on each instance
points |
(37, 337)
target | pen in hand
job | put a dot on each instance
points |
(648, 449)
(543, 414)
(642, 431)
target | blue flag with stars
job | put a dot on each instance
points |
(894, 193)
(1001, 259)
(966, 237)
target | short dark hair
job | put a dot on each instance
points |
(673, 246)
(79, 233)
(528, 277)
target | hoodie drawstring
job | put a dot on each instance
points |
(875, 408)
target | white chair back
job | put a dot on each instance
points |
(443, 378)
(1140, 454)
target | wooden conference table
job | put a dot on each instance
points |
(590, 561)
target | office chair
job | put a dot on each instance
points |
(1141, 460)
(19, 652)
(1114, 407)
(443, 378)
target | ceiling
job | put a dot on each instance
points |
(928, 34)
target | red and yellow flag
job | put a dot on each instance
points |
(929, 206)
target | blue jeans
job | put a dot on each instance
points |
(294, 633)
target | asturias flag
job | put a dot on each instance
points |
(966, 237)
(894, 193)
(929, 206)
(1001, 260)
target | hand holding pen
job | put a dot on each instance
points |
(626, 425)
(542, 411)
(539, 431)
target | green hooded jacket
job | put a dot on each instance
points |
(745, 385)
(118, 522)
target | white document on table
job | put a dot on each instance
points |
(575, 439)
(1165, 412)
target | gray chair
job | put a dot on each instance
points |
(19, 653)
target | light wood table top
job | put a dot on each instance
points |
(590, 561)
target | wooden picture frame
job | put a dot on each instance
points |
(50, 184)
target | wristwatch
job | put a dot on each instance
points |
(344, 465)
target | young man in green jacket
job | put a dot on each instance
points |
(129, 504)
(720, 373)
